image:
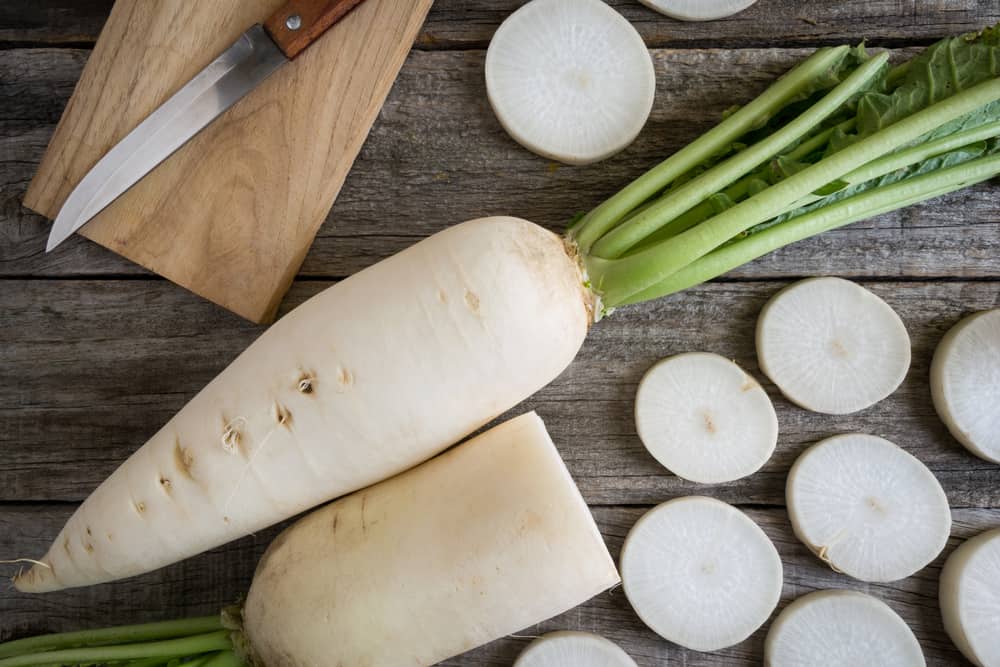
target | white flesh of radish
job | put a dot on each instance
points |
(366, 379)
(838, 628)
(832, 346)
(970, 598)
(573, 649)
(479, 543)
(698, 10)
(570, 80)
(867, 508)
(705, 419)
(965, 383)
(700, 573)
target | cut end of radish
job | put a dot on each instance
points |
(704, 418)
(867, 508)
(700, 573)
(837, 628)
(970, 598)
(573, 649)
(698, 10)
(570, 80)
(832, 346)
(965, 383)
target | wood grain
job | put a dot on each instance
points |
(96, 364)
(232, 213)
(437, 155)
(202, 585)
(470, 23)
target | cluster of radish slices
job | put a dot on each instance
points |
(703, 574)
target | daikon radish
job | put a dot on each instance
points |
(832, 346)
(700, 573)
(483, 541)
(573, 649)
(570, 79)
(970, 598)
(365, 380)
(867, 508)
(837, 628)
(704, 418)
(965, 383)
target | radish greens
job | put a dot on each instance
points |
(841, 137)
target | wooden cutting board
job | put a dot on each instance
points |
(231, 214)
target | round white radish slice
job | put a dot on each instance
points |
(570, 80)
(840, 629)
(573, 649)
(965, 383)
(700, 573)
(698, 10)
(867, 508)
(970, 598)
(705, 419)
(832, 346)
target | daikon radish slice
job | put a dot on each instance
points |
(965, 383)
(970, 598)
(837, 628)
(704, 418)
(570, 80)
(698, 10)
(573, 649)
(700, 573)
(832, 346)
(867, 508)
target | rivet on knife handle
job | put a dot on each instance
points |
(299, 23)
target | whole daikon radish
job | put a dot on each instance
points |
(365, 380)
(482, 541)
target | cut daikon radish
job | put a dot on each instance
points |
(837, 628)
(698, 10)
(700, 573)
(832, 346)
(965, 383)
(867, 508)
(570, 79)
(970, 598)
(705, 419)
(573, 649)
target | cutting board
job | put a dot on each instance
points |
(231, 214)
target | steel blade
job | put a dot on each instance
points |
(221, 84)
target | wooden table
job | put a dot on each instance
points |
(96, 354)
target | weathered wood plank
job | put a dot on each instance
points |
(90, 369)
(437, 156)
(465, 23)
(53, 21)
(202, 585)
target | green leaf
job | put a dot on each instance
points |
(836, 191)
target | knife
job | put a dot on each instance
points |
(239, 69)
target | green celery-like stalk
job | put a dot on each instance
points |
(619, 279)
(169, 648)
(617, 241)
(844, 212)
(734, 192)
(595, 224)
(143, 632)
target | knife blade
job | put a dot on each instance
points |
(258, 52)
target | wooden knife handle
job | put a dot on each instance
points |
(299, 23)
